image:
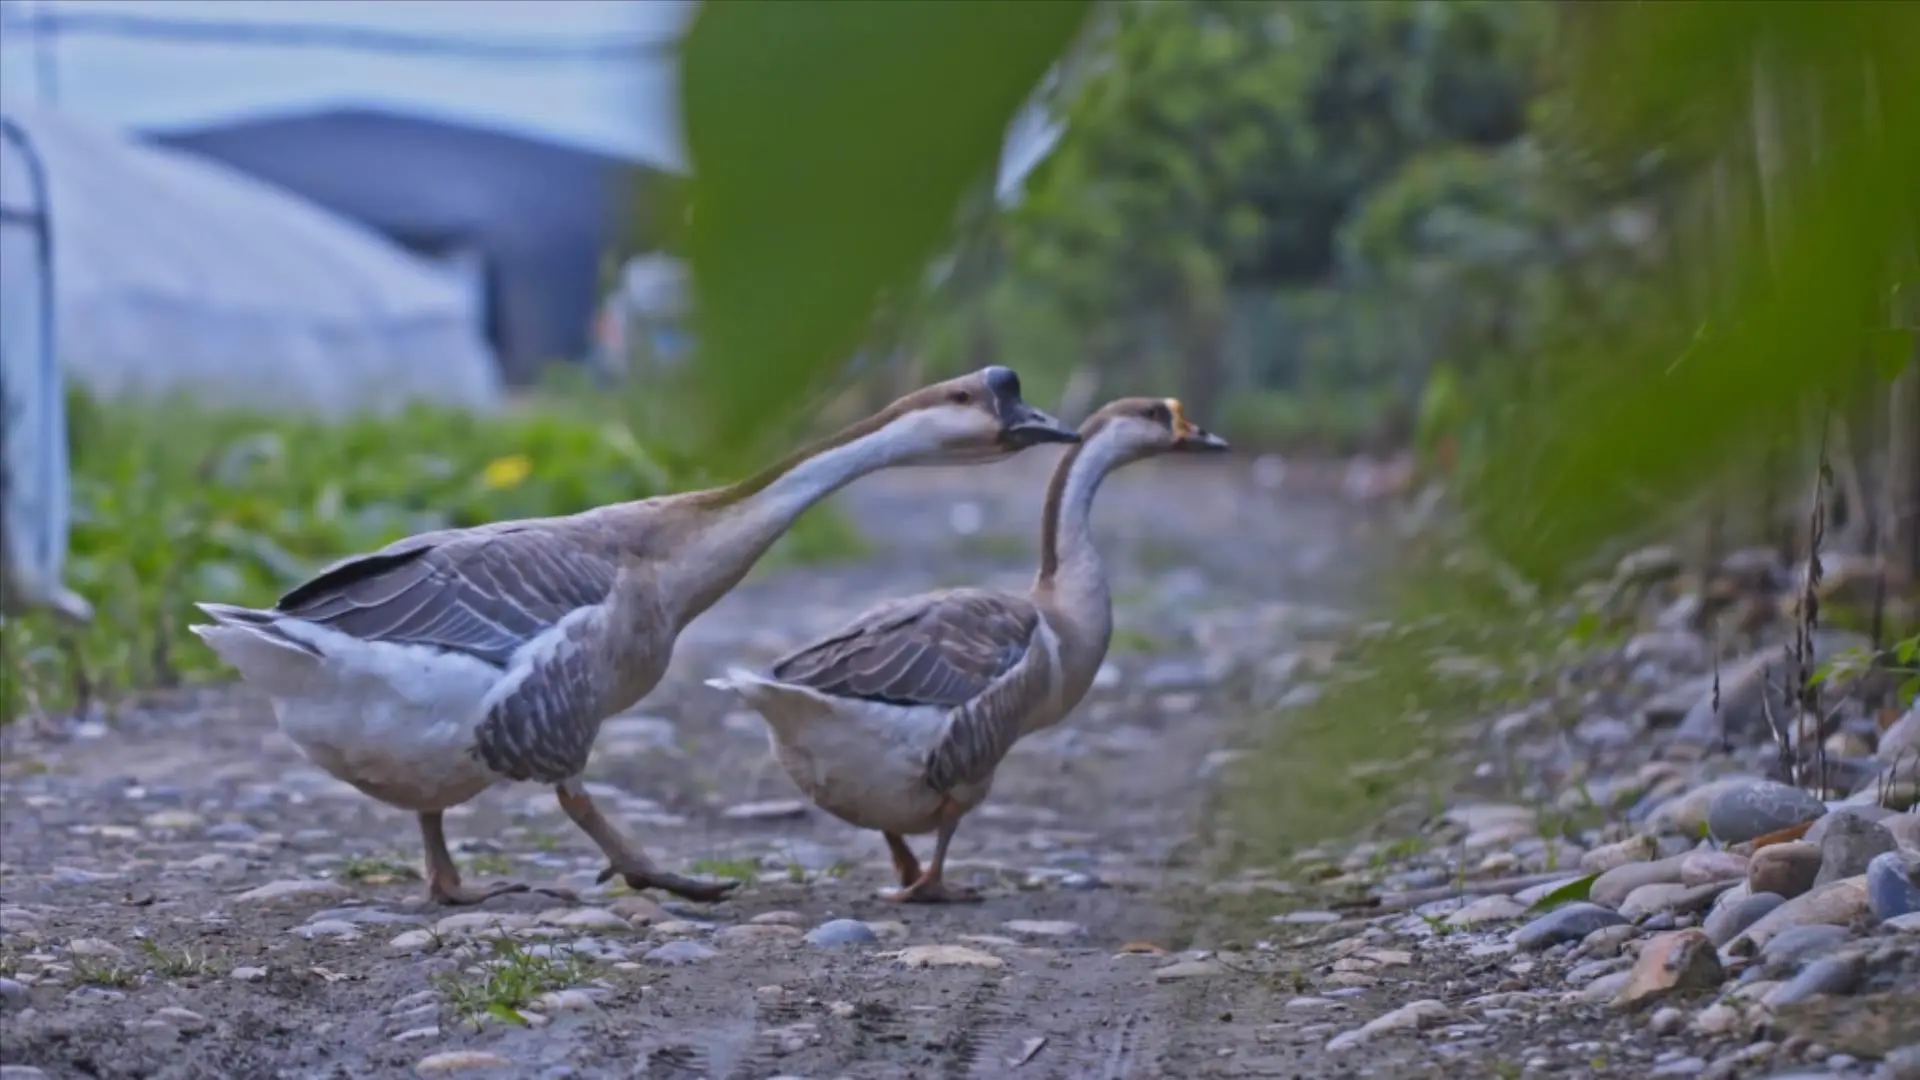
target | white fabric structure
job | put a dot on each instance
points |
(175, 274)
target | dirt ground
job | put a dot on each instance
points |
(131, 947)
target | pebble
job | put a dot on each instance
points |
(1307, 918)
(414, 941)
(1487, 909)
(925, 956)
(1742, 812)
(1612, 888)
(841, 932)
(1667, 1020)
(1893, 885)
(1676, 898)
(304, 889)
(1716, 1020)
(640, 911)
(753, 933)
(1686, 814)
(586, 918)
(1676, 963)
(361, 916)
(1731, 920)
(782, 918)
(1044, 927)
(247, 974)
(572, 1000)
(1606, 941)
(327, 928)
(1187, 969)
(21, 1072)
(1570, 923)
(175, 820)
(1786, 870)
(12, 994)
(452, 1061)
(93, 947)
(1827, 975)
(1707, 867)
(774, 810)
(1850, 843)
(1797, 944)
(1412, 1016)
(472, 923)
(678, 953)
(181, 1019)
(1836, 904)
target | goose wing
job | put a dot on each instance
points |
(969, 651)
(482, 592)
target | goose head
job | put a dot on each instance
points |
(1141, 427)
(976, 417)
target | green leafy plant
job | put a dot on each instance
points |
(509, 980)
(175, 504)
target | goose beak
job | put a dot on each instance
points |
(1022, 426)
(1190, 436)
(1201, 440)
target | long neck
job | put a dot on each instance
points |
(1072, 585)
(732, 527)
(1066, 529)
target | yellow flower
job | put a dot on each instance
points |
(507, 471)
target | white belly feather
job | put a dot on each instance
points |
(863, 762)
(395, 721)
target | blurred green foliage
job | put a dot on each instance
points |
(1593, 258)
(173, 504)
(831, 144)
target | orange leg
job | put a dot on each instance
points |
(625, 857)
(904, 863)
(930, 887)
(443, 877)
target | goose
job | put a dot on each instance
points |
(453, 661)
(897, 722)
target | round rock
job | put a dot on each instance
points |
(1742, 812)
(841, 932)
(678, 953)
(1570, 923)
(1729, 921)
(1851, 841)
(1893, 885)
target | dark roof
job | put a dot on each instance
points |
(542, 212)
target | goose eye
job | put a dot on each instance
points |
(960, 397)
(1159, 415)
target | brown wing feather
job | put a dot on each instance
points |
(940, 649)
(483, 592)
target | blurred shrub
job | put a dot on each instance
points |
(173, 504)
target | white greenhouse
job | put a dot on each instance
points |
(171, 273)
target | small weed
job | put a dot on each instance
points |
(796, 873)
(1438, 924)
(543, 841)
(106, 973)
(490, 864)
(180, 964)
(1129, 639)
(509, 980)
(377, 871)
(739, 869)
(9, 964)
(839, 869)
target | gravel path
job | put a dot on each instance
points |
(181, 895)
(184, 896)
